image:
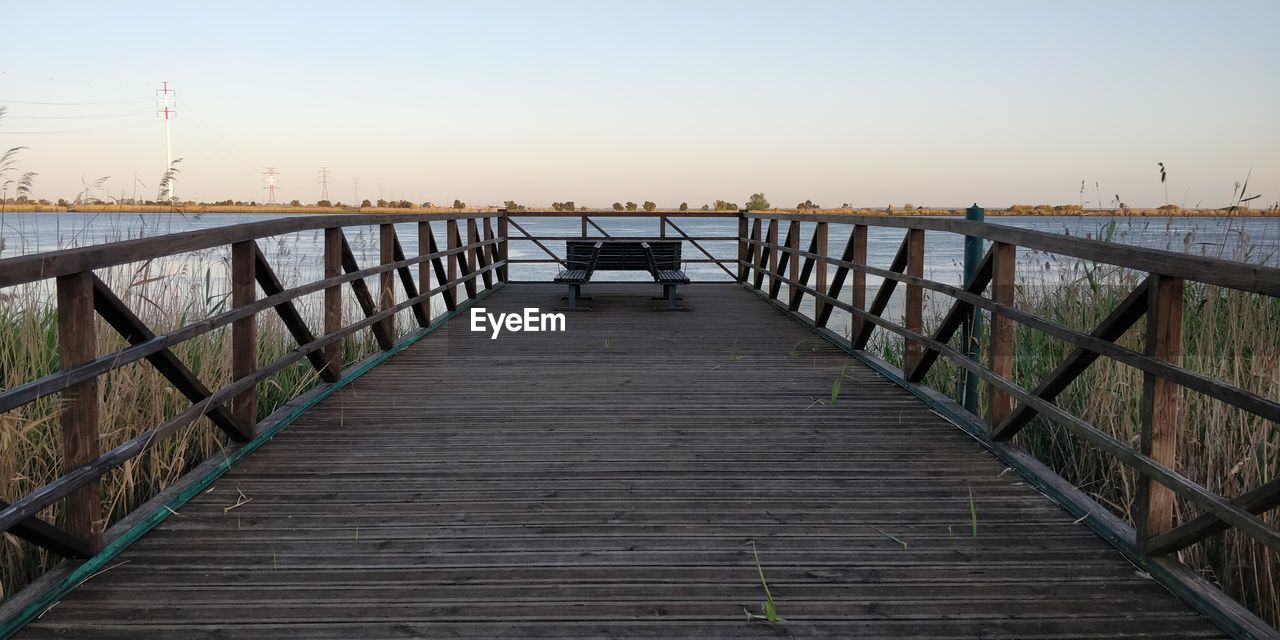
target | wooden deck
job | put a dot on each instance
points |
(606, 482)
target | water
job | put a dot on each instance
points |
(297, 257)
(25, 233)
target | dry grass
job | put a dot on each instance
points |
(135, 397)
(1228, 335)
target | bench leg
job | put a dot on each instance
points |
(669, 294)
(575, 294)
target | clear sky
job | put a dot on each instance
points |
(933, 103)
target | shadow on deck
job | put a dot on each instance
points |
(607, 481)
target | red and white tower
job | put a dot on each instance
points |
(270, 179)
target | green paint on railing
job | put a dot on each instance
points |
(97, 563)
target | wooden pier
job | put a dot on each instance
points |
(609, 481)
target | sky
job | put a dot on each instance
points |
(870, 103)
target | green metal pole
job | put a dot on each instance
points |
(972, 327)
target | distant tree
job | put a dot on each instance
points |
(458, 204)
(366, 203)
(684, 206)
(295, 203)
(631, 206)
(568, 205)
(405, 204)
(722, 205)
(322, 203)
(649, 205)
(62, 202)
(380, 203)
(846, 205)
(757, 202)
(706, 207)
(512, 205)
(908, 207)
(617, 206)
(807, 204)
(557, 206)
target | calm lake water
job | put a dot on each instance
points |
(1250, 239)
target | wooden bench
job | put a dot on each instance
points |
(660, 259)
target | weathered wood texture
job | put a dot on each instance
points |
(436, 498)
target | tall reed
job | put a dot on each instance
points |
(166, 294)
(1228, 335)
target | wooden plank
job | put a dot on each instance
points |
(47, 536)
(1124, 316)
(117, 314)
(1162, 406)
(365, 297)
(913, 316)
(773, 250)
(1256, 501)
(473, 237)
(956, 316)
(758, 252)
(78, 343)
(744, 249)
(421, 310)
(503, 272)
(452, 242)
(797, 282)
(486, 254)
(333, 240)
(437, 265)
(387, 279)
(820, 235)
(244, 332)
(271, 285)
(883, 295)
(628, 515)
(1003, 272)
(462, 263)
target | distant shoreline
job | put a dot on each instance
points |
(1016, 210)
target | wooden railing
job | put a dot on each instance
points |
(471, 258)
(667, 229)
(765, 264)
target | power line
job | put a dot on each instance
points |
(77, 104)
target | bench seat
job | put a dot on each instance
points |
(573, 276)
(669, 276)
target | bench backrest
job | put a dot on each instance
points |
(618, 255)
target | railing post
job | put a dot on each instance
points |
(424, 267)
(1162, 410)
(972, 325)
(78, 343)
(451, 244)
(473, 236)
(662, 227)
(914, 312)
(744, 250)
(244, 333)
(502, 245)
(333, 298)
(773, 254)
(793, 261)
(756, 250)
(858, 286)
(387, 279)
(820, 268)
(1002, 286)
